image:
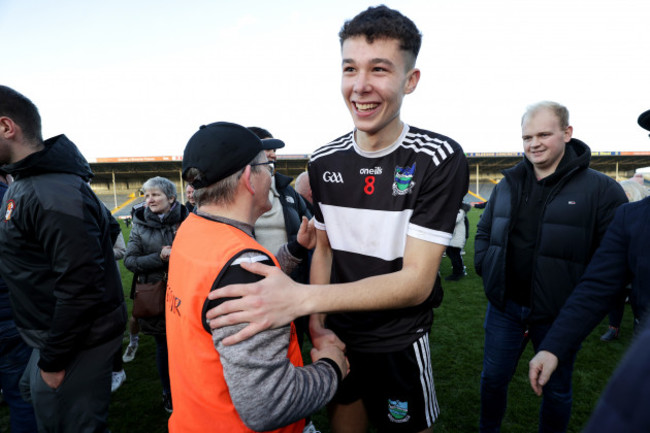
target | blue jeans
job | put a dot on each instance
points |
(14, 355)
(506, 335)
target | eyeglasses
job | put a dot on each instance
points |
(270, 165)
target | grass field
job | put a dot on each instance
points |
(457, 353)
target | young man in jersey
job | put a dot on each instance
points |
(386, 197)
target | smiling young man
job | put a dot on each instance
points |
(541, 226)
(386, 197)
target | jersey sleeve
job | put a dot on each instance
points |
(440, 197)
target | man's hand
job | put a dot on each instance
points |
(269, 303)
(53, 380)
(335, 354)
(307, 233)
(540, 369)
(320, 335)
(327, 344)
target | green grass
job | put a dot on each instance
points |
(457, 353)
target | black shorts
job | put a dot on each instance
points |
(396, 388)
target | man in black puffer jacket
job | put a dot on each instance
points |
(56, 244)
(539, 230)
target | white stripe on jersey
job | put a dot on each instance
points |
(429, 235)
(423, 356)
(249, 258)
(343, 143)
(360, 230)
(439, 150)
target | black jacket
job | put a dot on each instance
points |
(56, 244)
(293, 209)
(573, 220)
(621, 259)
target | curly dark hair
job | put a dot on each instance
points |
(382, 22)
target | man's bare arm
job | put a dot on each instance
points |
(276, 300)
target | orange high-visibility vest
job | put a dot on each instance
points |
(202, 248)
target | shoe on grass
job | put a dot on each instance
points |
(310, 428)
(118, 379)
(129, 353)
(611, 334)
(167, 402)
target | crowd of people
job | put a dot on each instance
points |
(234, 281)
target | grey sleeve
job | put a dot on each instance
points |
(288, 262)
(266, 389)
(119, 248)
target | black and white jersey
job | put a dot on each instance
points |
(369, 202)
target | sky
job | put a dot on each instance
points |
(137, 78)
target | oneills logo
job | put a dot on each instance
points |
(11, 205)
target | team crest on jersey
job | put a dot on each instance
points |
(398, 411)
(403, 183)
(11, 205)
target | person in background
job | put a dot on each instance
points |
(190, 204)
(303, 188)
(621, 260)
(56, 250)
(14, 355)
(456, 245)
(147, 256)
(542, 224)
(133, 326)
(638, 178)
(119, 375)
(281, 223)
(634, 192)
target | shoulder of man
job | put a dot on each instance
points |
(233, 273)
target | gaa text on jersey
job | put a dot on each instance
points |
(333, 177)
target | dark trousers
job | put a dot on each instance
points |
(456, 260)
(616, 315)
(506, 335)
(162, 362)
(14, 356)
(80, 403)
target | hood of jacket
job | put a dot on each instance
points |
(60, 155)
(282, 181)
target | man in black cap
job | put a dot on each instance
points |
(259, 384)
(621, 259)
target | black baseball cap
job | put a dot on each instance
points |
(219, 150)
(272, 143)
(644, 120)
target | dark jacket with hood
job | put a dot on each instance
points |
(56, 244)
(574, 208)
(293, 209)
(148, 235)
